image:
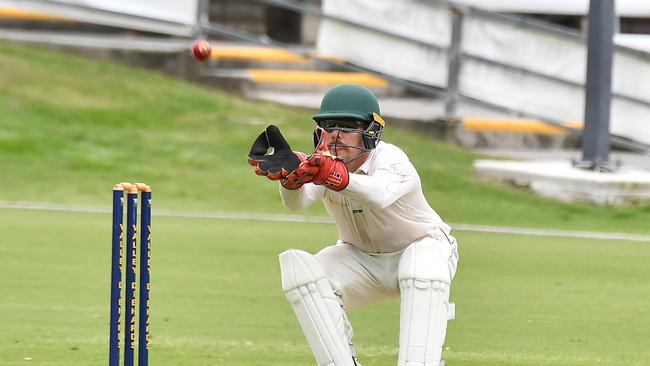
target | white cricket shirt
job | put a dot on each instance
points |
(383, 208)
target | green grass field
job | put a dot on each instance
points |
(70, 128)
(216, 297)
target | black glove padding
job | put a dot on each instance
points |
(280, 160)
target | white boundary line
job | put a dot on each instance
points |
(328, 220)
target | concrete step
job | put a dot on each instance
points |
(235, 51)
(249, 81)
(87, 40)
(559, 179)
(623, 158)
(515, 125)
(232, 56)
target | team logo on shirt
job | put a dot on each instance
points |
(356, 207)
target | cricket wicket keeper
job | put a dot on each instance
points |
(391, 242)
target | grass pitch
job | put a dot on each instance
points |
(70, 128)
(216, 296)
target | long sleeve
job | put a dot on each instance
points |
(385, 186)
(383, 208)
(301, 198)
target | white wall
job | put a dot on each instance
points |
(627, 8)
(179, 11)
(176, 17)
(495, 50)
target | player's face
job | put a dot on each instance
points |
(343, 142)
(346, 142)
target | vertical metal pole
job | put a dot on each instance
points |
(595, 138)
(202, 18)
(116, 275)
(145, 266)
(454, 61)
(131, 262)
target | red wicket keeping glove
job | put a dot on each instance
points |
(293, 180)
(271, 155)
(323, 168)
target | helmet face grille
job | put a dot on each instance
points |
(371, 133)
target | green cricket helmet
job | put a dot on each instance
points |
(352, 107)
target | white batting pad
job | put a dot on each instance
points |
(317, 307)
(424, 279)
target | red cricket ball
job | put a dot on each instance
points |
(201, 50)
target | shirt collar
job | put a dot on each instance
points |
(365, 167)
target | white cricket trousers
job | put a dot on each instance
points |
(361, 278)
